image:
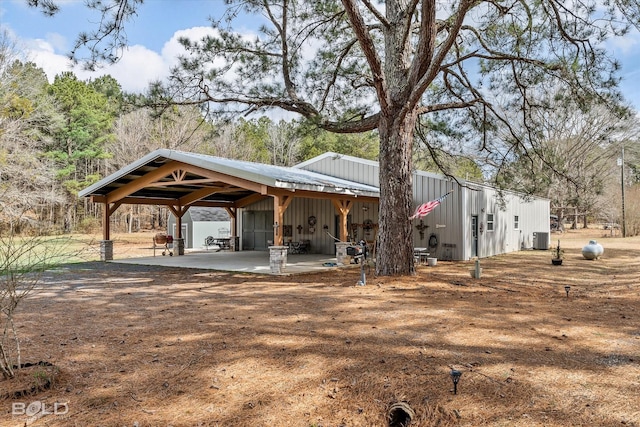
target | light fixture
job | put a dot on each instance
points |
(567, 289)
(455, 377)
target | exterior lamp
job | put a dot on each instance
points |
(567, 289)
(455, 377)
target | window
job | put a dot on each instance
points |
(489, 222)
(516, 222)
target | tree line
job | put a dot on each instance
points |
(58, 138)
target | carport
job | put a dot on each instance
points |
(179, 180)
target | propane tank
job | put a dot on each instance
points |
(593, 250)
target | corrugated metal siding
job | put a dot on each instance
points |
(445, 221)
(299, 211)
(454, 240)
(532, 213)
(344, 167)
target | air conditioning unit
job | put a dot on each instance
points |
(541, 240)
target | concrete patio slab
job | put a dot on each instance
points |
(256, 262)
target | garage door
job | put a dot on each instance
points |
(257, 230)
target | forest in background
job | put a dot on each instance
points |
(60, 137)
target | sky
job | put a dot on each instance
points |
(153, 36)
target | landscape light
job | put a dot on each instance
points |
(455, 377)
(567, 289)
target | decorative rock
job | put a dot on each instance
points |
(593, 250)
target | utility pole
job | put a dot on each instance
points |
(624, 228)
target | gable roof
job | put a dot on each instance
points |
(165, 176)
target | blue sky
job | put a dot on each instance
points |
(153, 36)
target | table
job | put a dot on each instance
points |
(223, 242)
(301, 247)
(220, 242)
(421, 255)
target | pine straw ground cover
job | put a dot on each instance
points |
(151, 346)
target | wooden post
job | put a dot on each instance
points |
(343, 207)
(280, 205)
(106, 216)
(109, 209)
(235, 239)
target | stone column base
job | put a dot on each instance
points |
(341, 253)
(178, 246)
(278, 259)
(106, 250)
(234, 243)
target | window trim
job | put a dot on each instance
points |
(491, 219)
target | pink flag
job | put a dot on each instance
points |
(425, 208)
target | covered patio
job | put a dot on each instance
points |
(180, 180)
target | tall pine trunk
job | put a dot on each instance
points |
(395, 244)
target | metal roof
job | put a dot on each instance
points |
(199, 214)
(203, 171)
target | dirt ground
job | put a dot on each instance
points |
(147, 346)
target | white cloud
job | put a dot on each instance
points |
(137, 67)
(172, 49)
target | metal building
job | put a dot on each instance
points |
(198, 223)
(307, 208)
(475, 220)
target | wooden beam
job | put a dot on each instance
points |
(328, 196)
(228, 179)
(164, 202)
(246, 201)
(196, 195)
(233, 213)
(178, 212)
(142, 182)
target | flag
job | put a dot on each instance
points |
(425, 208)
